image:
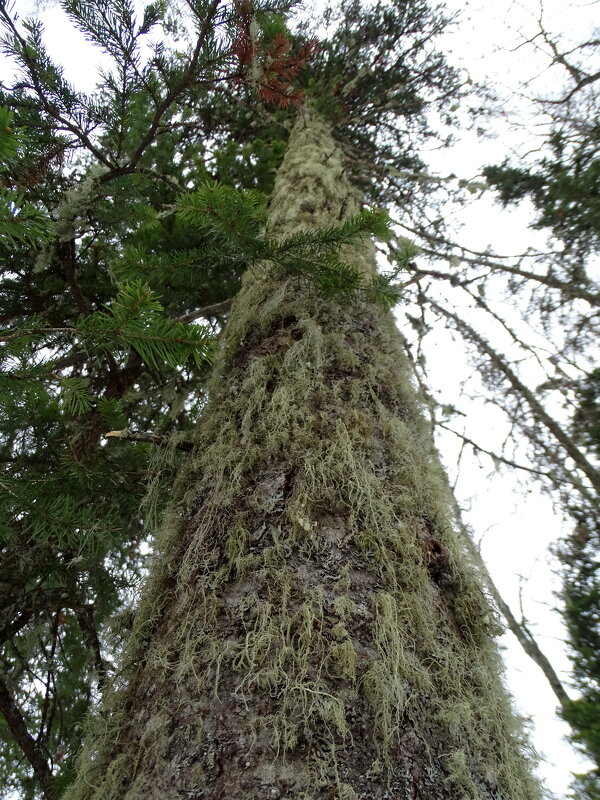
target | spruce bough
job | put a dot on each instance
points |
(312, 626)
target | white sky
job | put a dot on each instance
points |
(515, 528)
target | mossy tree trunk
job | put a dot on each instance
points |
(312, 627)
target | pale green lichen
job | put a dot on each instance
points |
(310, 572)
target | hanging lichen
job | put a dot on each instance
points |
(313, 627)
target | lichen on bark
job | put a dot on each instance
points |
(313, 627)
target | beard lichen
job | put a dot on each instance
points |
(312, 627)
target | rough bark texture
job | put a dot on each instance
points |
(313, 627)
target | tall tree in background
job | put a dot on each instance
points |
(544, 385)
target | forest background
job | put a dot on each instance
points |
(523, 536)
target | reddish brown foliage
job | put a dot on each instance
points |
(273, 60)
(244, 49)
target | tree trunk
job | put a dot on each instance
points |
(313, 627)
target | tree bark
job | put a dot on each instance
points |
(313, 627)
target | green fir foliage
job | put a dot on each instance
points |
(581, 598)
(234, 219)
(134, 321)
(20, 221)
(564, 188)
(83, 352)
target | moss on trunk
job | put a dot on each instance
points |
(312, 627)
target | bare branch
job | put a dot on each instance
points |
(521, 632)
(494, 456)
(215, 310)
(569, 96)
(495, 263)
(525, 393)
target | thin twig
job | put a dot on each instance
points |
(214, 310)
(539, 412)
(494, 456)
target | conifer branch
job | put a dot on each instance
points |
(49, 107)
(34, 603)
(133, 320)
(186, 79)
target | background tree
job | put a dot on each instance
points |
(564, 187)
(537, 380)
